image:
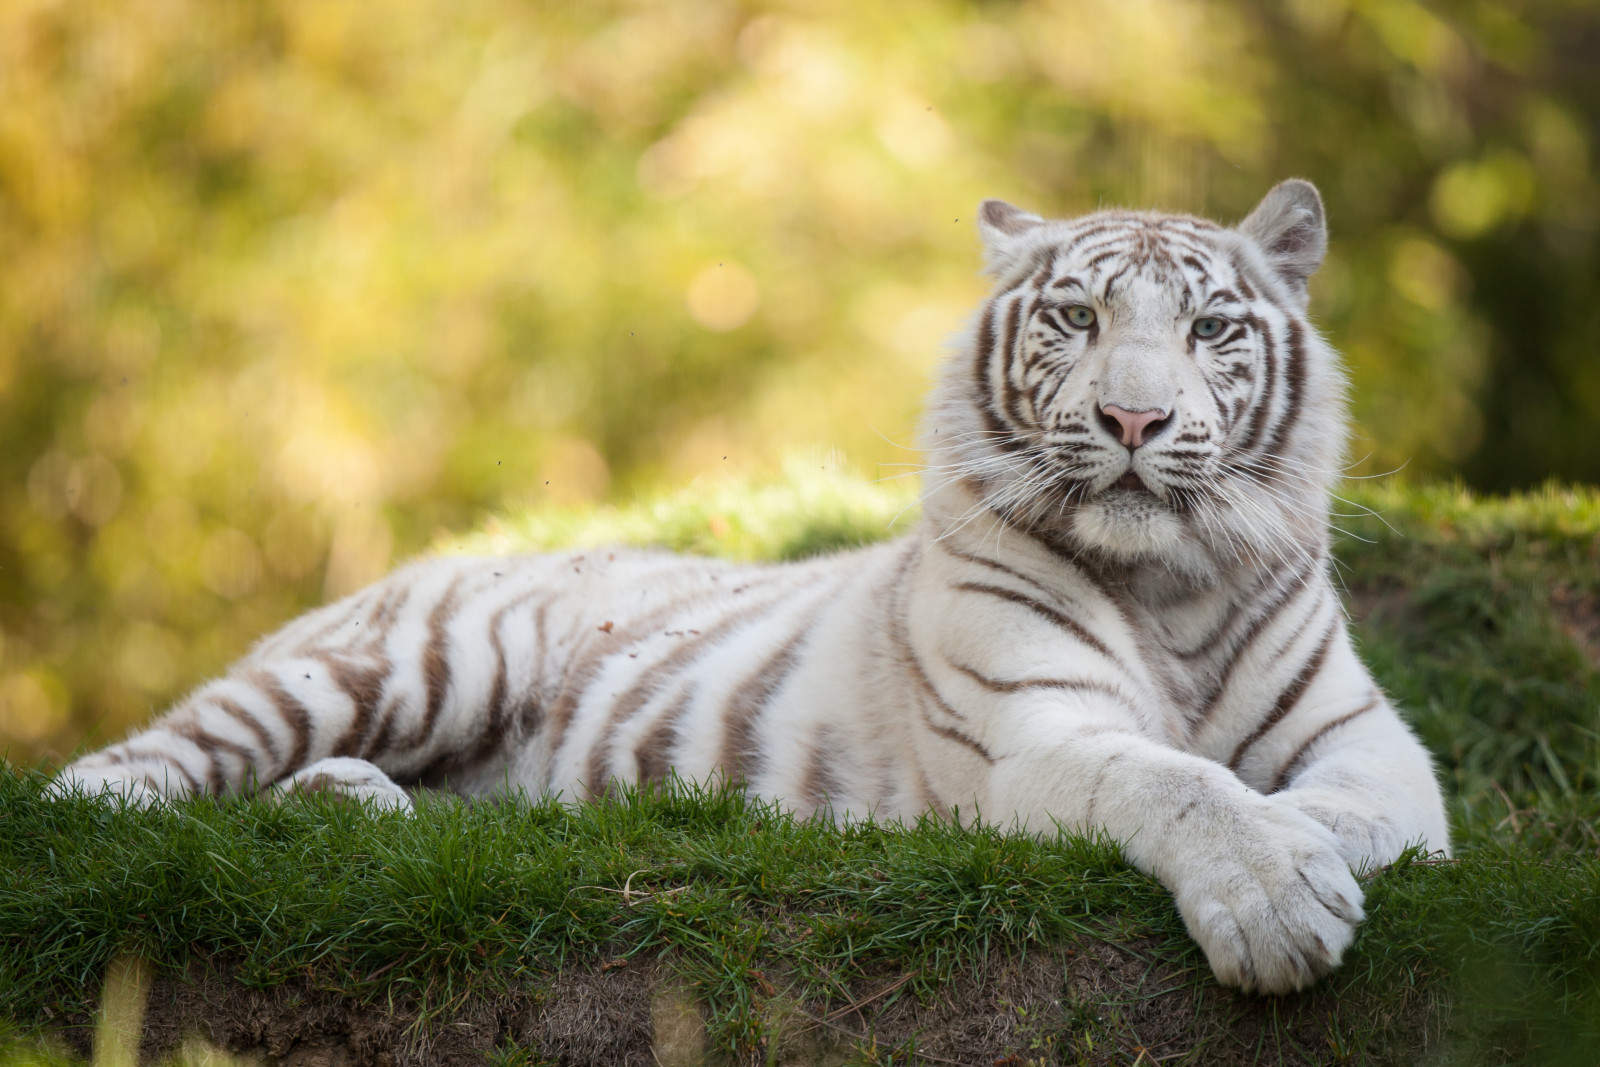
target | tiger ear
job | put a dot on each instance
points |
(1000, 224)
(1291, 230)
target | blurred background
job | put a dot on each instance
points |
(287, 289)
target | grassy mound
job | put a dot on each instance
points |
(675, 925)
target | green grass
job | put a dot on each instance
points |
(1471, 611)
(1474, 618)
(817, 506)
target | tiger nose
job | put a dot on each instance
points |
(1137, 426)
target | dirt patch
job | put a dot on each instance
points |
(1093, 1003)
(584, 1015)
(1116, 1003)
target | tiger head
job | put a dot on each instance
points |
(1147, 388)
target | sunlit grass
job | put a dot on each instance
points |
(818, 505)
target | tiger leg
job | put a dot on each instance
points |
(1261, 886)
(390, 685)
(252, 730)
(237, 734)
(1355, 768)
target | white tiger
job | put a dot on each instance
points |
(1116, 615)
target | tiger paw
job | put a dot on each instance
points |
(1274, 906)
(115, 784)
(346, 777)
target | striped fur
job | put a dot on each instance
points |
(1139, 640)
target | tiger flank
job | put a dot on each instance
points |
(1115, 615)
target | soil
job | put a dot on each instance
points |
(1096, 1003)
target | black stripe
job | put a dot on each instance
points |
(950, 733)
(821, 783)
(1108, 290)
(387, 610)
(1051, 317)
(1099, 227)
(494, 729)
(363, 686)
(436, 670)
(895, 589)
(1008, 361)
(1292, 765)
(294, 715)
(250, 722)
(379, 742)
(648, 683)
(500, 722)
(1044, 611)
(1258, 625)
(992, 564)
(176, 764)
(999, 433)
(740, 758)
(1289, 697)
(1046, 265)
(1100, 780)
(932, 695)
(1294, 376)
(1022, 685)
(900, 639)
(211, 744)
(1243, 276)
(340, 623)
(583, 665)
(652, 758)
(1238, 333)
(1263, 406)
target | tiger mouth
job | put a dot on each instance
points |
(1130, 480)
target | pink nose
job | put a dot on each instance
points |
(1137, 426)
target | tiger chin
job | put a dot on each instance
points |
(1115, 615)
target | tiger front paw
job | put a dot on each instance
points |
(1274, 906)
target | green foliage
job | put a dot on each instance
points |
(289, 286)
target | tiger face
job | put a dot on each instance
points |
(1146, 387)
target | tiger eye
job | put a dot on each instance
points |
(1080, 316)
(1207, 327)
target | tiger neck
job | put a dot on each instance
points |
(1171, 600)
